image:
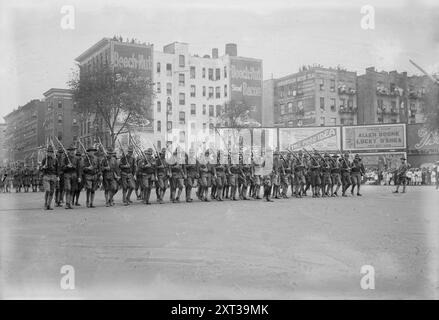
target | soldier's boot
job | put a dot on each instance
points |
(46, 200)
(92, 198)
(68, 201)
(49, 201)
(206, 194)
(172, 195)
(188, 194)
(148, 195)
(107, 201)
(124, 197)
(87, 195)
(403, 188)
(128, 198)
(213, 192)
(178, 194)
(258, 192)
(267, 194)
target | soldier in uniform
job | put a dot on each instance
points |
(162, 176)
(35, 179)
(109, 168)
(80, 182)
(72, 175)
(299, 175)
(147, 169)
(335, 175)
(90, 169)
(59, 185)
(315, 176)
(326, 175)
(220, 172)
(308, 179)
(204, 171)
(275, 176)
(345, 173)
(401, 175)
(49, 168)
(27, 177)
(177, 175)
(233, 170)
(257, 176)
(191, 171)
(127, 167)
(285, 175)
(357, 171)
(17, 174)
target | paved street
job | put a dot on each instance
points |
(292, 248)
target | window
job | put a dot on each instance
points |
(225, 72)
(169, 88)
(159, 87)
(158, 67)
(192, 91)
(182, 136)
(342, 103)
(217, 74)
(322, 121)
(225, 91)
(290, 90)
(193, 127)
(159, 106)
(193, 109)
(169, 125)
(181, 99)
(204, 128)
(181, 60)
(74, 121)
(333, 121)
(182, 117)
(203, 73)
(204, 91)
(210, 74)
(393, 102)
(332, 104)
(350, 103)
(169, 70)
(159, 126)
(290, 107)
(218, 110)
(211, 111)
(322, 84)
(332, 85)
(322, 103)
(169, 106)
(204, 109)
(211, 128)
(59, 105)
(60, 118)
(181, 79)
(282, 109)
(192, 73)
(281, 92)
(217, 92)
(210, 92)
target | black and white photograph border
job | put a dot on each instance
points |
(218, 149)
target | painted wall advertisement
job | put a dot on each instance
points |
(374, 137)
(421, 140)
(246, 84)
(319, 138)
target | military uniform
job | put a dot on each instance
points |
(109, 169)
(326, 175)
(127, 167)
(315, 176)
(59, 185)
(147, 170)
(401, 175)
(335, 175)
(49, 168)
(192, 176)
(357, 171)
(162, 176)
(345, 173)
(72, 175)
(91, 174)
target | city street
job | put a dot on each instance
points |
(288, 249)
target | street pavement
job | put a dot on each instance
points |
(288, 249)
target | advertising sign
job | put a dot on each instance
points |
(421, 140)
(374, 137)
(319, 138)
(246, 84)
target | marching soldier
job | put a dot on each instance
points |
(80, 182)
(315, 176)
(299, 175)
(109, 168)
(147, 175)
(205, 177)
(27, 176)
(35, 179)
(257, 176)
(357, 171)
(162, 176)
(90, 171)
(72, 175)
(335, 175)
(326, 175)
(177, 175)
(401, 175)
(49, 168)
(285, 175)
(275, 176)
(220, 172)
(191, 171)
(345, 173)
(59, 185)
(127, 167)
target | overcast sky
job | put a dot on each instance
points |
(37, 54)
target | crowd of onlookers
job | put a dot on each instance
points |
(415, 177)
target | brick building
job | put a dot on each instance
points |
(315, 96)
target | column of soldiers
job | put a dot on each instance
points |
(21, 177)
(212, 177)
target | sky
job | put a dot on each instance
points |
(37, 54)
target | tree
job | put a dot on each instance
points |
(236, 114)
(122, 98)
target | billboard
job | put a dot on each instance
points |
(246, 84)
(374, 137)
(421, 140)
(319, 138)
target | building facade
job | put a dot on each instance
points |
(392, 97)
(60, 119)
(24, 131)
(190, 91)
(315, 96)
(3, 147)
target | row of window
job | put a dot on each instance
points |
(193, 127)
(213, 74)
(193, 111)
(289, 108)
(213, 92)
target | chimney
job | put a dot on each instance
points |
(232, 49)
(215, 53)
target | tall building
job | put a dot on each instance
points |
(190, 91)
(60, 119)
(391, 97)
(315, 96)
(24, 131)
(3, 147)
